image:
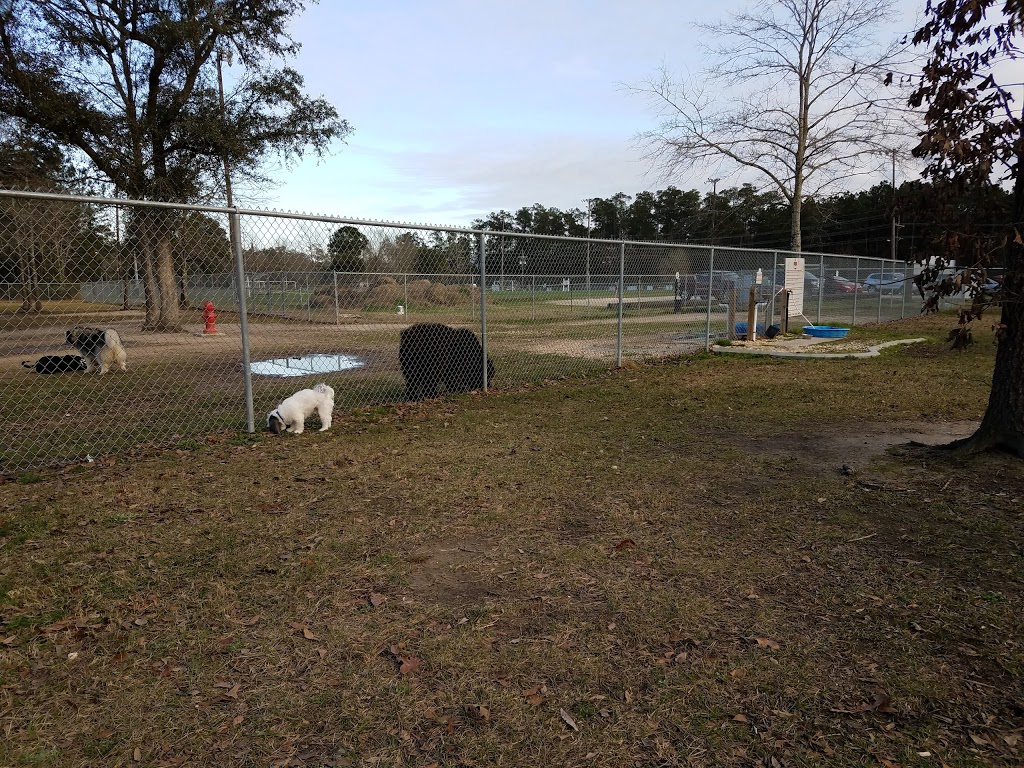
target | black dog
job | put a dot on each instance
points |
(57, 364)
(433, 355)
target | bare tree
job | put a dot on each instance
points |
(797, 93)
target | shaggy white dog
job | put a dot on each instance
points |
(291, 414)
(101, 348)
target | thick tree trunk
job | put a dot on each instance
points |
(149, 287)
(1003, 423)
(170, 314)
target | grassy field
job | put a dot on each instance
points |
(657, 566)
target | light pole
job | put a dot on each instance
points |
(714, 194)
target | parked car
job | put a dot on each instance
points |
(839, 286)
(719, 282)
(884, 282)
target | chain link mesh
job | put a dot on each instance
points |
(380, 313)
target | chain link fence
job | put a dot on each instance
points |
(223, 314)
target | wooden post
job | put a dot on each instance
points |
(784, 311)
(752, 315)
(731, 313)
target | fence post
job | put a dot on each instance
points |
(906, 285)
(243, 318)
(821, 284)
(337, 313)
(405, 283)
(856, 287)
(483, 305)
(622, 288)
(707, 324)
(775, 281)
(533, 296)
(881, 285)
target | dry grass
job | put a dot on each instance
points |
(659, 566)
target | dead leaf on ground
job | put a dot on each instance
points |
(741, 718)
(308, 633)
(533, 696)
(624, 544)
(879, 704)
(568, 719)
(766, 642)
(479, 711)
(981, 741)
(377, 599)
(409, 665)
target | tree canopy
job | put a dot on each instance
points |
(130, 87)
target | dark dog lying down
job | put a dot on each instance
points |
(56, 364)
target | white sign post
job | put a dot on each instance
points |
(795, 285)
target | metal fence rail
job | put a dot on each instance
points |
(300, 300)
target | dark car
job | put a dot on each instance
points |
(719, 282)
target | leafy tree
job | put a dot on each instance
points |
(130, 85)
(793, 94)
(346, 248)
(974, 138)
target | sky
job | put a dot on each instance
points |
(460, 108)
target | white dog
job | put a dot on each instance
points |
(291, 414)
(101, 347)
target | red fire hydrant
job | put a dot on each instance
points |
(210, 317)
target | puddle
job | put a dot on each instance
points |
(306, 366)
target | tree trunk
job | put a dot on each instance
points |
(1003, 423)
(149, 286)
(795, 239)
(30, 300)
(170, 314)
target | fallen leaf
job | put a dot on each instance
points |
(238, 720)
(409, 665)
(1012, 739)
(766, 642)
(624, 544)
(137, 755)
(568, 719)
(981, 741)
(737, 673)
(233, 691)
(741, 718)
(480, 711)
(308, 633)
(377, 599)
(10, 640)
(879, 704)
(142, 621)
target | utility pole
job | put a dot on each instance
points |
(714, 193)
(892, 248)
